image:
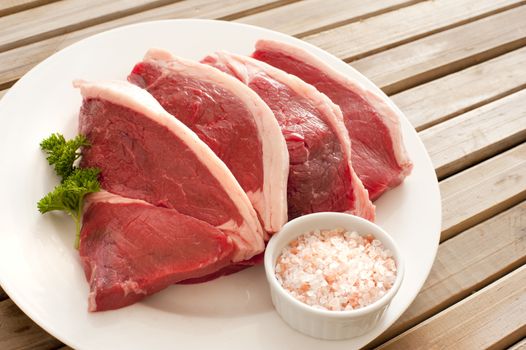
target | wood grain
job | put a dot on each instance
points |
(308, 17)
(446, 52)
(8, 7)
(476, 135)
(492, 318)
(482, 191)
(497, 247)
(17, 62)
(439, 100)
(64, 16)
(388, 30)
(17, 331)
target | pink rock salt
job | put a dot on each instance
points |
(336, 270)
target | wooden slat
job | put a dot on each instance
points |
(521, 345)
(17, 331)
(496, 247)
(303, 17)
(3, 294)
(8, 7)
(457, 93)
(482, 191)
(61, 17)
(462, 141)
(17, 62)
(492, 318)
(379, 33)
(440, 54)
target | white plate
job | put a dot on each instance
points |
(40, 270)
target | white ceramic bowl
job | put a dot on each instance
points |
(324, 324)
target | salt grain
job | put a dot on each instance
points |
(336, 270)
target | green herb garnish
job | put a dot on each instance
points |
(62, 154)
(76, 182)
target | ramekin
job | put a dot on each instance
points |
(324, 324)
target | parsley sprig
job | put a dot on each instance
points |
(62, 154)
(76, 182)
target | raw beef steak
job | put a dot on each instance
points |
(378, 153)
(231, 119)
(145, 153)
(321, 177)
(130, 249)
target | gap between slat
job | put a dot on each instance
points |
(18, 331)
(461, 324)
(487, 201)
(457, 273)
(460, 92)
(23, 58)
(520, 345)
(80, 24)
(257, 9)
(483, 191)
(434, 31)
(10, 7)
(358, 18)
(98, 18)
(350, 43)
(441, 54)
(308, 15)
(475, 136)
(481, 103)
(452, 67)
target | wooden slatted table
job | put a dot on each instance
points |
(457, 68)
